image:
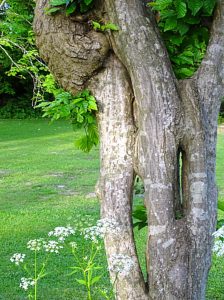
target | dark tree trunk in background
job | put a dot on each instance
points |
(148, 122)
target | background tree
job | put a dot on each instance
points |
(151, 124)
(16, 40)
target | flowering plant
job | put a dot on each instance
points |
(85, 267)
(38, 269)
(219, 241)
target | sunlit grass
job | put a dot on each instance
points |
(44, 182)
(215, 289)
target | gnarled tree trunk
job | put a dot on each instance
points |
(148, 122)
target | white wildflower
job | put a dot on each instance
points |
(73, 245)
(26, 282)
(17, 258)
(219, 241)
(219, 233)
(121, 264)
(92, 233)
(103, 226)
(219, 248)
(62, 232)
(52, 246)
(36, 245)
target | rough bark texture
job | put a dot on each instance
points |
(71, 49)
(147, 120)
(117, 131)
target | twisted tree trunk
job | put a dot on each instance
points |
(150, 125)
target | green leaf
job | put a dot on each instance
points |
(140, 213)
(110, 26)
(161, 4)
(80, 118)
(88, 2)
(96, 25)
(95, 279)
(92, 105)
(84, 143)
(181, 9)
(52, 10)
(186, 60)
(208, 6)
(90, 98)
(90, 119)
(73, 272)
(195, 6)
(185, 72)
(57, 2)
(176, 40)
(182, 27)
(5, 43)
(77, 100)
(70, 9)
(187, 53)
(170, 24)
(81, 281)
(164, 14)
(93, 133)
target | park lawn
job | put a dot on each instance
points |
(45, 182)
(215, 288)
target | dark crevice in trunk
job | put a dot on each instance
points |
(180, 204)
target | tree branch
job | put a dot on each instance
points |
(210, 75)
(2, 4)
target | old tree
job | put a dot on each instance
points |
(148, 120)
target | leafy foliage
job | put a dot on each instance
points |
(69, 6)
(140, 217)
(19, 109)
(16, 40)
(104, 27)
(184, 25)
(24, 63)
(80, 109)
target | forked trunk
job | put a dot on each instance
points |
(151, 125)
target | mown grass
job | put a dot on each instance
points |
(215, 288)
(45, 182)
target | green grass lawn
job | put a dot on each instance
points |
(215, 290)
(45, 182)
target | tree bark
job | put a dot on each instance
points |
(151, 125)
(117, 137)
